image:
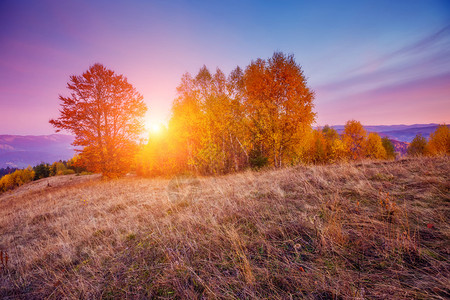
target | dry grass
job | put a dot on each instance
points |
(351, 231)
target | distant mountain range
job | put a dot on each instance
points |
(401, 133)
(21, 151)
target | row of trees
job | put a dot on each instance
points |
(43, 170)
(15, 179)
(252, 117)
(318, 147)
(58, 168)
(257, 116)
(327, 146)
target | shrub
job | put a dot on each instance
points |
(57, 168)
(257, 160)
(389, 147)
(68, 172)
(417, 146)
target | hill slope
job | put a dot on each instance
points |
(372, 230)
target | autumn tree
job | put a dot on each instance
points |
(439, 142)
(208, 124)
(318, 148)
(388, 147)
(417, 146)
(104, 112)
(278, 104)
(159, 156)
(334, 147)
(354, 137)
(221, 124)
(373, 147)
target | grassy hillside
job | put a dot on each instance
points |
(364, 230)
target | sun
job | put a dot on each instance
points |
(152, 127)
(155, 128)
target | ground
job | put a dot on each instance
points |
(375, 230)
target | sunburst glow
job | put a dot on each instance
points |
(152, 127)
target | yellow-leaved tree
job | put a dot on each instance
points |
(439, 142)
(373, 147)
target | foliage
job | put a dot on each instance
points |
(335, 150)
(68, 172)
(15, 179)
(76, 164)
(156, 158)
(7, 170)
(278, 104)
(439, 142)
(41, 171)
(388, 147)
(58, 168)
(222, 124)
(104, 113)
(338, 152)
(257, 160)
(318, 150)
(354, 137)
(373, 147)
(418, 146)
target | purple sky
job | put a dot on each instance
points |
(380, 62)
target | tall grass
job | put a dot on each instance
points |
(347, 231)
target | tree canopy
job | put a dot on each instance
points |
(354, 137)
(104, 112)
(250, 118)
(440, 141)
(418, 146)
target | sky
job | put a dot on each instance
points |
(379, 62)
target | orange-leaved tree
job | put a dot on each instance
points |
(354, 137)
(439, 142)
(105, 113)
(279, 105)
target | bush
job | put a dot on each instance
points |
(417, 146)
(389, 147)
(68, 172)
(57, 168)
(257, 159)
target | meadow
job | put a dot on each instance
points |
(359, 230)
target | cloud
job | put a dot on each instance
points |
(415, 101)
(429, 56)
